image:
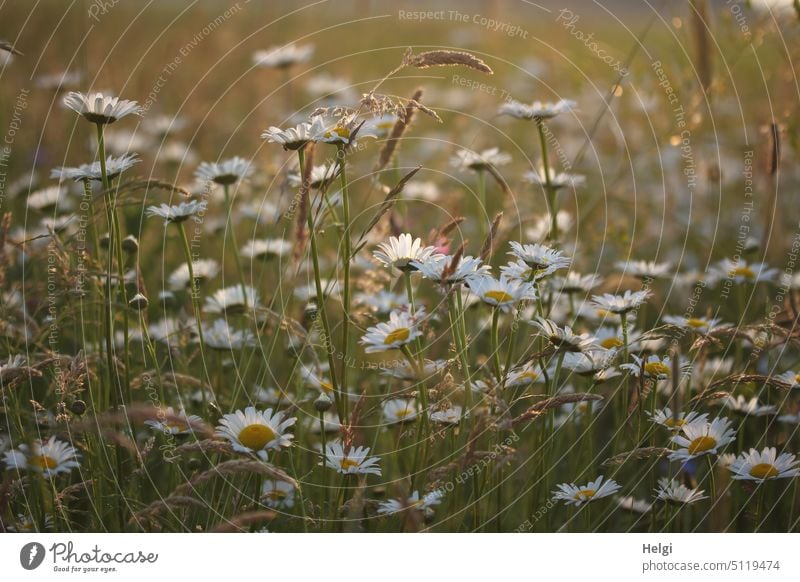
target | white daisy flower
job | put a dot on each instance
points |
(399, 410)
(381, 125)
(315, 379)
(670, 491)
(437, 269)
(524, 375)
(594, 363)
(168, 421)
(609, 338)
(354, 461)
(93, 171)
(231, 300)
(563, 339)
(741, 272)
(49, 458)
(479, 161)
(702, 438)
(295, 137)
(540, 257)
(749, 407)
(322, 175)
(282, 57)
(421, 190)
(401, 329)
(224, 173)
(277, 494)
(645, 269)
(176, 152)
(695, 324)
(573, 494)
(404, 371)
(557, 180)
(162, 125)
(101, 109)
(502, 293)
(265, 249)
(789, 377)
(256, 432)
(537, 110)
(651, 367)
(541, 225)
(47, 199)
(179, 213)
(383, 301)
(271, 396)
(400, 252)
(675, 420)
(58, 81)
(630, 503)
(451, 415)
(202, 269)
(342, 131)
(764, 466)
(414, 502)
(220, 336)
(576, 283)
(619, 304)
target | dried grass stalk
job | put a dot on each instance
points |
(234, 467)
(446, 58)
(488, 244)
(541, 407)
(636, 454)
(387, 203)
(399, 128)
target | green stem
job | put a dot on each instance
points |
(322, 311)
(193, 290)
(548, 184)
(346, 268)
(229, 229)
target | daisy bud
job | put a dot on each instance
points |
(78, 407)
(130, 245)
(138, 302)
(104, 241)
(323, 403)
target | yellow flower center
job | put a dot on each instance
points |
(656, 369)
(701, 445)
(348, 464)
(339, 130)
(256, 436)
(674, 422)
(498, 296)
(175, 425)
(326, 386)
(585, 494)
(43, 462)
(745, 272)
(611, 342)
(603, 313)
(530, 375)
(276, 495)
(764, 471)
(403, 413)
(399, 335)
(696, 322)
(797, 378)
